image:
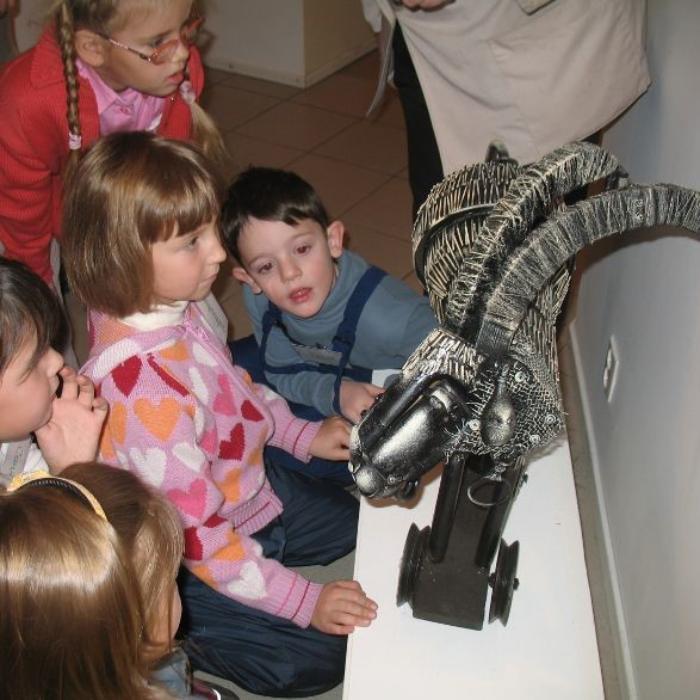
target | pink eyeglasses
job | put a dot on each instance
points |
(163, 53)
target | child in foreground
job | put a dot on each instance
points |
(323, 318)
(89, 601)
(143, 249)
(66, 424)
(100, 66)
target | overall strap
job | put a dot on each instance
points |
(345, 334)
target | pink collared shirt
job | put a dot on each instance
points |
(128, 110)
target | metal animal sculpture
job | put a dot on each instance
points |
(482, 391)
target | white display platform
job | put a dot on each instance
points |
(547, 651)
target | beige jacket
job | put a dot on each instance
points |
(531, 73)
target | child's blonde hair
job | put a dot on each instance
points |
(80, 594)
(105, 17)
(131, 190)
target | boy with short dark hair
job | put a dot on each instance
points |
(323, 317)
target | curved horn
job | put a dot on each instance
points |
(530, 196)
(563, 235)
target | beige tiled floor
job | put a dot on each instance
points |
(358, 165)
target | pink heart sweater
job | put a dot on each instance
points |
(193, 425)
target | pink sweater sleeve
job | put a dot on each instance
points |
(292, 434)
(153, 432)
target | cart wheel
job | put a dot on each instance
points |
(503, 581)
(411, 560)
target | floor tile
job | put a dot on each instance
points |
(230, 107)
(390, 113)
(296, 125)
(214, 75)
(370, 146)
(262, 87)
(390, 254)
(388, 209)
(340, 185)
(247, 151)
(366, 68)
(339, 93)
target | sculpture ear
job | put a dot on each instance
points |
(563, 235)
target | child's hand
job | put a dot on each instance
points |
(341, 607)
(356, 397)
(73, 431)
(332, 440)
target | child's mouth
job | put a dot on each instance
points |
(299, 296)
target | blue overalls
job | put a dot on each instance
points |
(334, 360)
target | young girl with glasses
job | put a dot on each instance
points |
(101, 66)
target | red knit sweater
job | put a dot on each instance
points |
(34, 146)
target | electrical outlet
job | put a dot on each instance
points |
(610, 369)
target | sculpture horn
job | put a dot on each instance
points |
(532, 195)
(563, 235)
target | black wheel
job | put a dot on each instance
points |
(411, 560)
(503, 581)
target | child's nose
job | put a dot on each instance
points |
(55, 362)
(218, 253)
(289, 270)
(182, 52)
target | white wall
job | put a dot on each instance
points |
(646, 441)
(262, 38)
(296, 42)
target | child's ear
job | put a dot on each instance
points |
(335, 233)
(242, 276)
(90, 47)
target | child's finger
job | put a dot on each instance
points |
(375, 390)
(100, 405)
(69, 388)
(87, 390)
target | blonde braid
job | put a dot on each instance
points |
(65, 36)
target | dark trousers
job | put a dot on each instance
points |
(246, 354)
(424, 164)
(262, 653)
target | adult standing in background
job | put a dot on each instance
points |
(531, 73)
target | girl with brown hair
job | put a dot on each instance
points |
(142, 250)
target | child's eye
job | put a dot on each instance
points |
(155, 43)
(264, 269)
(192, 243)
(302, 249)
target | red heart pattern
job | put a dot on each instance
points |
(249, 412)
(126, 374)
(193, 545)
(233, 447)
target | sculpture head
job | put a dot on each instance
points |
(490, 244)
